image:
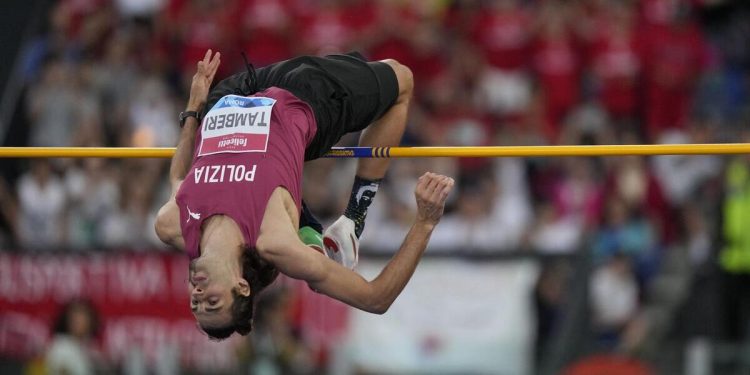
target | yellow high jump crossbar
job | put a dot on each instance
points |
(406, 152)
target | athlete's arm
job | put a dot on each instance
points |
(328, 277)
(183, 156)
(167, 221)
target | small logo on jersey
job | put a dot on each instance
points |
(192, 215)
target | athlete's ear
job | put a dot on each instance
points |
(243, 288)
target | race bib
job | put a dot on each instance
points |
(237, 124)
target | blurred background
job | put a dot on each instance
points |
(618, 265)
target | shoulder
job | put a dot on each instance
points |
(167, 224)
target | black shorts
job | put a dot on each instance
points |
(346, 92)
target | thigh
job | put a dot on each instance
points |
(345, 92)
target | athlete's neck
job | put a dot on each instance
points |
(221, 240)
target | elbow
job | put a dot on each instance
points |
(379, 310)
(163, 230)
(378, 297)
(159, 229)
(379, 306)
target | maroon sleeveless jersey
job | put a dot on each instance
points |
(245, 148)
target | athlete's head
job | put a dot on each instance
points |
(223, 300)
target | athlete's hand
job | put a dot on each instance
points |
(431, 192)
(202, 79)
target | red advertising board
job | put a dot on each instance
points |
(142, 301)
(141, 298)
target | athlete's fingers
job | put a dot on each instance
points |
(432, 190)
(204, 66)
(422, 190)
(214, 66)
(423, 183)
(442, 181)
(436, 196)
(441, 194)
(215, 61)
(432, 183)
(207, 57)
(425, 186)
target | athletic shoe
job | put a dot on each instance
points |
(340, 242)
(311, 238)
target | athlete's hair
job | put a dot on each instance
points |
(259, 274)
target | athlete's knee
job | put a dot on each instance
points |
(404, 77)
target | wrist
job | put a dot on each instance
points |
(191, 123)
(188, 117)
(424, 225)
(195, 105)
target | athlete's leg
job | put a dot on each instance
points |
(341, 238)
(388, 130)
(385, 131)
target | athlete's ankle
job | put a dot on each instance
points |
(363, 192)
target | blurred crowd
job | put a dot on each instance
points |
(494, 72)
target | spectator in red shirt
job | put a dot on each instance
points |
(616, 62)
(74, 15)
(412, 38)
(503, 32)
(392, 38)
(675, 59)
(324, 30)
(267, 31)
(556, 62)
(203, 25)
(428, 59)
(364, 19)
(578, 191)
(659, 12)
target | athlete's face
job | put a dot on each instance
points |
(210, 287)
(210, 301)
